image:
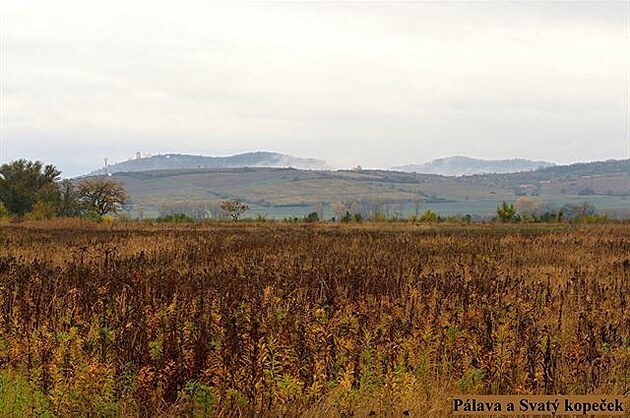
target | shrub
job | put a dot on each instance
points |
(263, 218)
(430, 216)
(42, 210)
(507, 212)
(175, 218)
(92, 216)
(4, 213)
(591, 219)
(347, 217)
(311, 217)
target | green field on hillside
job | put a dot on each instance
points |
(285, 192)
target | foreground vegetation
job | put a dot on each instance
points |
(310, 319)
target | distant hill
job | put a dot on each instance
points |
(463, 166)
(184, 161)
(287, 191)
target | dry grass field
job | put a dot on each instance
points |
(313, 320)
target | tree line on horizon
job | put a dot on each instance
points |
(32, 190)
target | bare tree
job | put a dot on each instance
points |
(234, 208)
(102, 195)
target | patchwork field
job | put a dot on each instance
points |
(314, 320)
(285, 192)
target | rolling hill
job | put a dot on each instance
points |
(185, 161)
(288, 191)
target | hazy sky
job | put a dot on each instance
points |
(370, 83)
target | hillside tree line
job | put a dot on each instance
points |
(33, 190)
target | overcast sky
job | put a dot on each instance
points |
(370, 83)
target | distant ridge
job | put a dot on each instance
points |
(185, 161)
(465, 166)
(281, 192)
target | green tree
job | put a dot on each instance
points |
(506, 212)
(430, 216)
(311, 217)
(102, 195)
(235, 208)
(69, 204)
(23, 183)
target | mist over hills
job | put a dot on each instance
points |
(464, 166)
(449, 166)
(288, 191)
(281, 185)
(184, 161)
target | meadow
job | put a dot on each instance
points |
(306, 320)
